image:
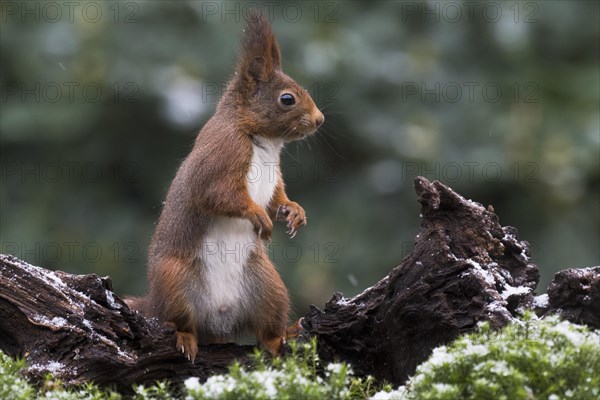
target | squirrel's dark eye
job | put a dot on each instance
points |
(287, 99)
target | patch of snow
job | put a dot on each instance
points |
(269, 380)
(564, 328)
(53, 367)
(541, 301)
(511, 291)
(56, 322)
(125, 354)
(49, 277)
(217, 386)
(399, 394)
(334, 367)
(476, 349)
(475, 204)
(496, 305)
(52, 279)
(442, 387)
(440, 356)
(192, 383)
(524, 256)
(343, 301)
(508, 237)
(485, 274)
(501, 368)
(111, 300)
(87, 323)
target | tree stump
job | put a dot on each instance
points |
(465, 268)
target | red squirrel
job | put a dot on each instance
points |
(209, 275)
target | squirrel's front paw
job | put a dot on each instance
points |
(263, 225)
(293, 214)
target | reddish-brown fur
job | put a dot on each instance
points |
(212, 182)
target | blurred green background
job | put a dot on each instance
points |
(500, 100)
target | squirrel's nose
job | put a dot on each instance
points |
(319, 119)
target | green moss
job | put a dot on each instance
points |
(294, 377)
(532, 359)
(12, 386)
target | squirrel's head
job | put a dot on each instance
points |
(275, 105)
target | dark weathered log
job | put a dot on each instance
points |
(465, 268)
(75, 327)
(574, 294)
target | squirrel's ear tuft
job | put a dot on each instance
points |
(260, 55)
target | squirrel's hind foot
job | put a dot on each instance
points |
(187, 345)
(294, 330)
(273, 346)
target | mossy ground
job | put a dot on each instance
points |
(531, 359)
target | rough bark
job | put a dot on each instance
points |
(75, 327)
(465, 268)
(574, 294)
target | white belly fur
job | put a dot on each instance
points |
(228, 244)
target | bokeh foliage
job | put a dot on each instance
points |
(500, 100)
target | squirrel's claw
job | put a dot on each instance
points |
(187, 343)
(294, 216)
(292, 231)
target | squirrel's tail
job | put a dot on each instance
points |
(140, 304)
